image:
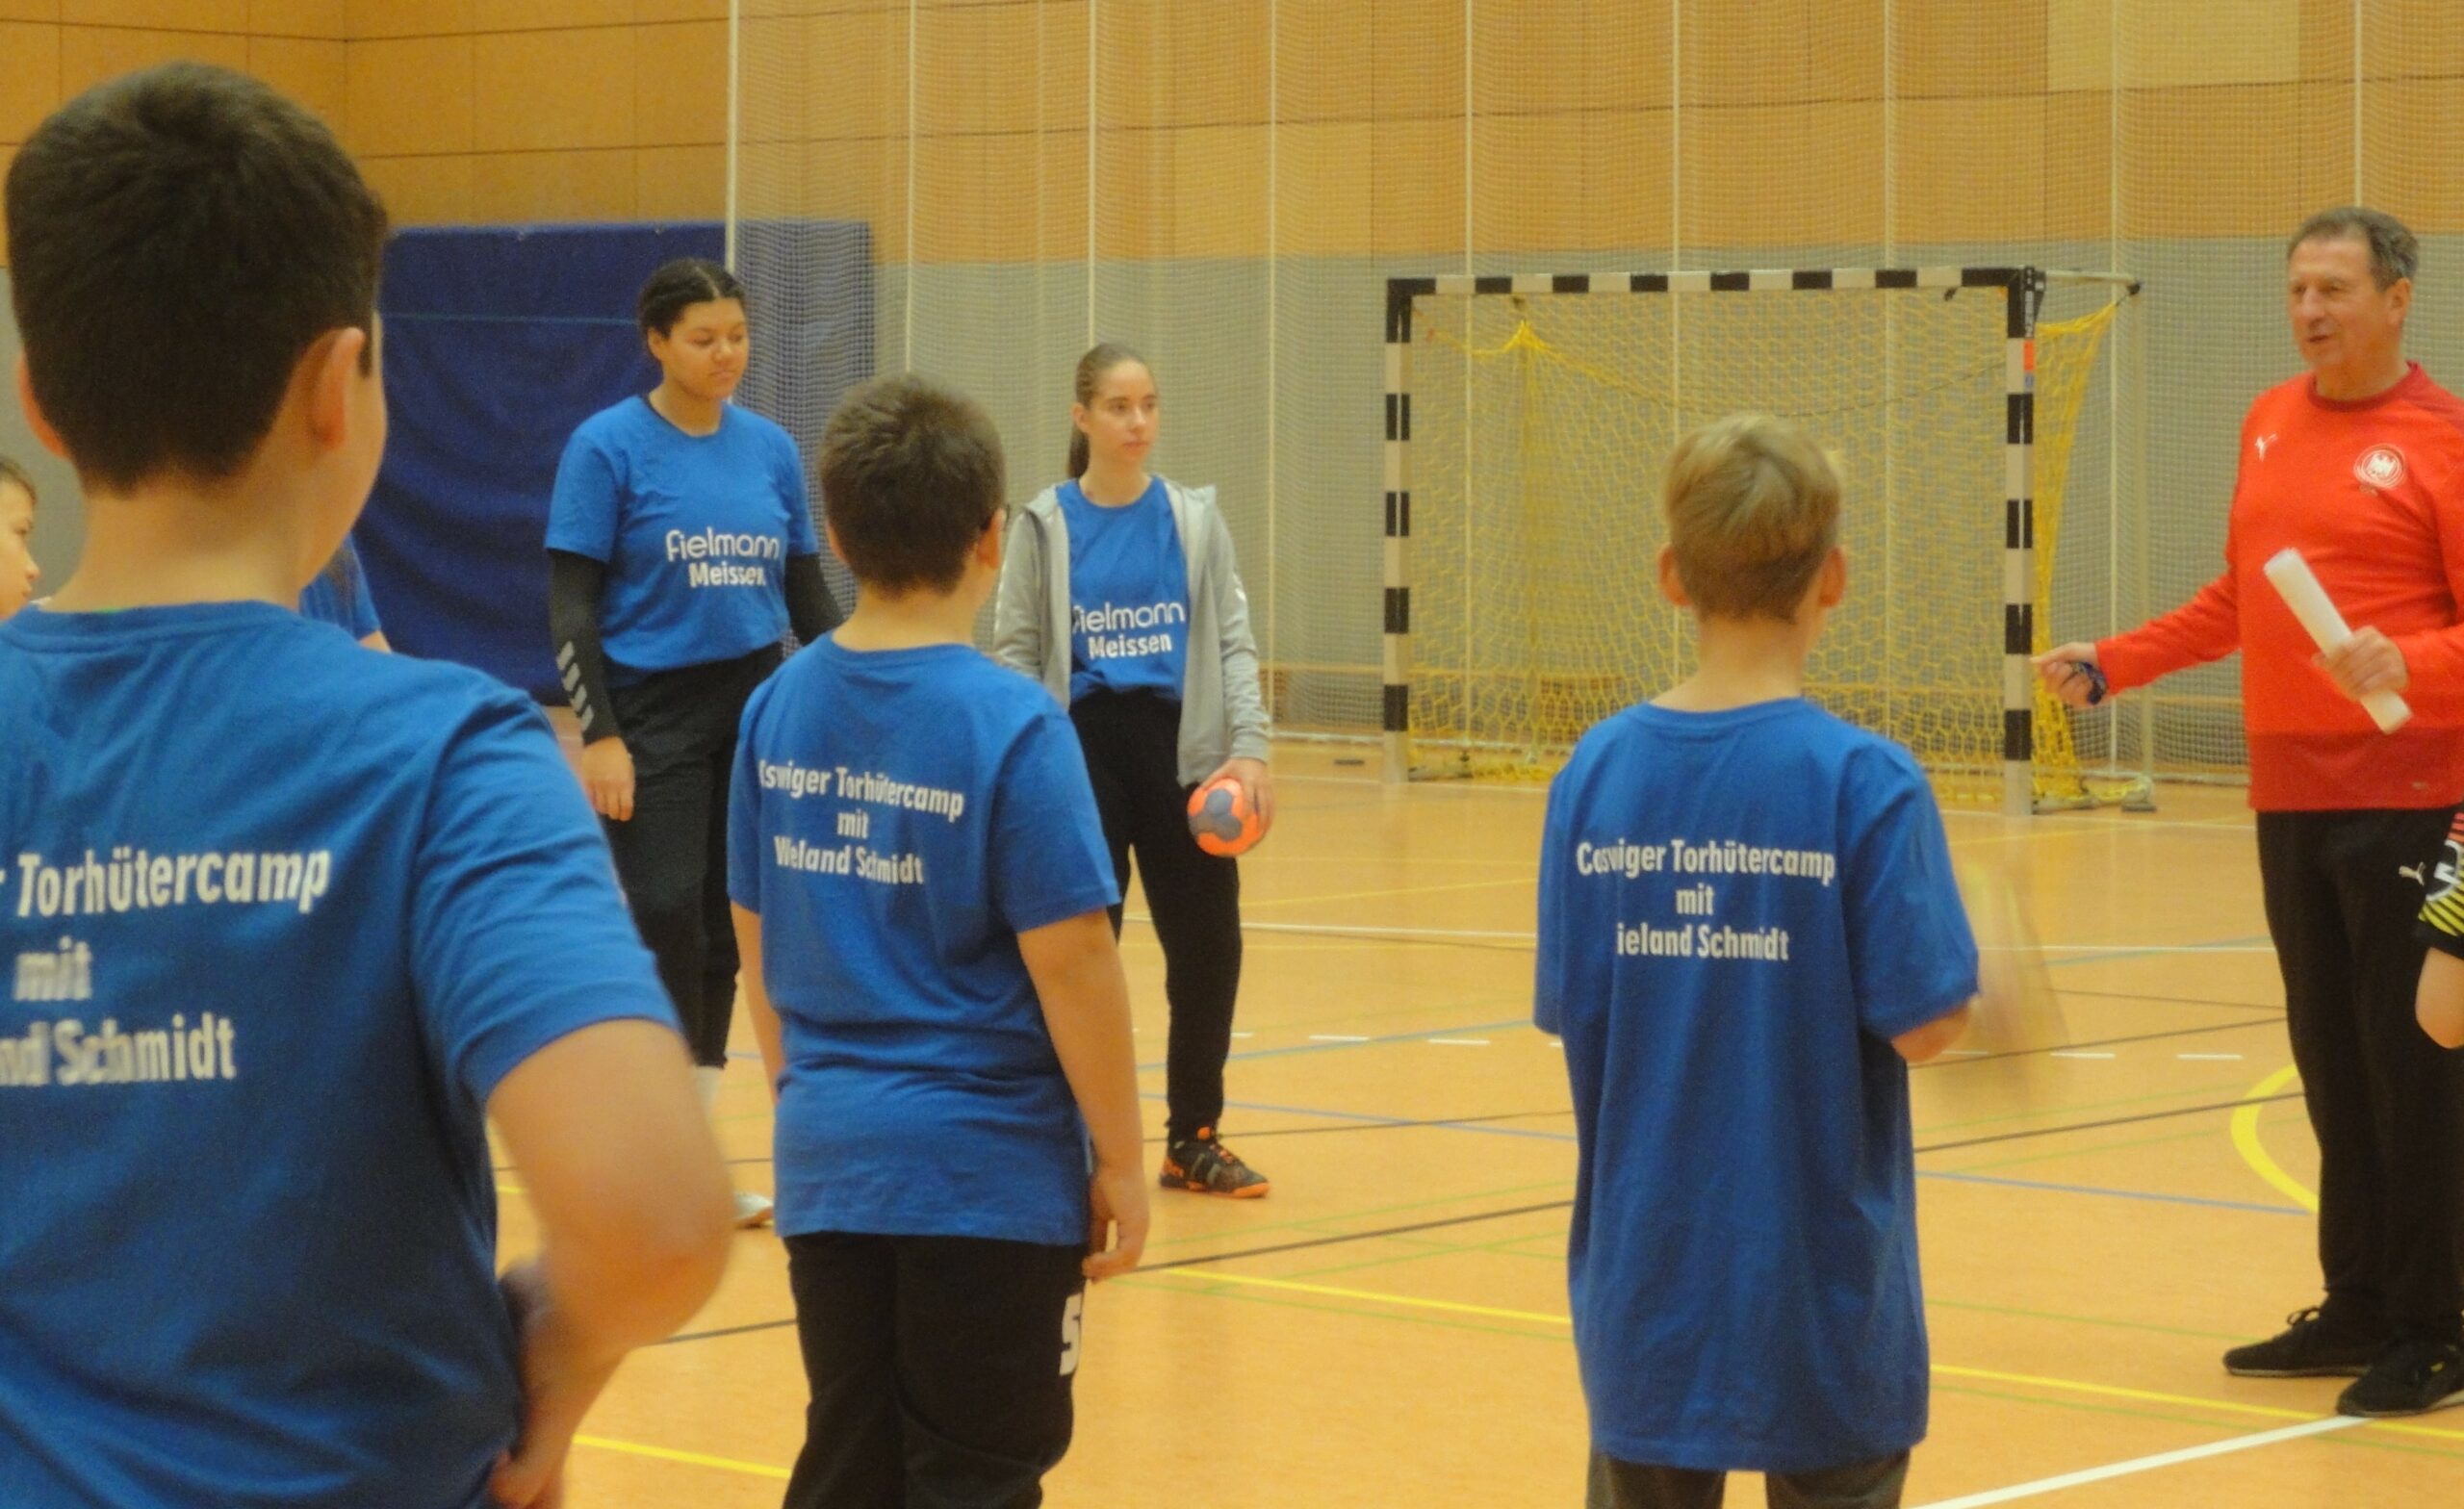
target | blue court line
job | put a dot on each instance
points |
(1365, 1042)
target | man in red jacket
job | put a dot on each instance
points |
(2359, 464)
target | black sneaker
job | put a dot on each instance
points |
(1203, 1164)
(2410, 1377)
(2312, 1345)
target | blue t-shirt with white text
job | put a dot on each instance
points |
(897, 818)
(277, 912)
(1129, 595)
(695, 531)
(1739, 911)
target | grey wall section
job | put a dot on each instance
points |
(59, 513)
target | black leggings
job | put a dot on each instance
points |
(1132, 743)
(672, 855)
(2386, 1102)
(940, 1370)
(1861, 1485)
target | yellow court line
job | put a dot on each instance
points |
(1981, 1374)
(2246, 1140)
(634, 1449)
(1449, 1306)
(1498, 1312)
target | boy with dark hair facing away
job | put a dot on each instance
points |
(1748, 929)
(921, 890)
(291, 922)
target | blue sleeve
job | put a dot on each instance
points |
(802, 538)
(1049, 861)
(1910, 949)
(588, 504)
(744, 810)
(1549, 972)
(519, 935)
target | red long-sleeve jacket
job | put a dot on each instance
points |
(2372, 493)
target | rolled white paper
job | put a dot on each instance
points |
(2299, 588)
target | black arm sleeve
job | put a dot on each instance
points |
(575, 583)
(812, 611)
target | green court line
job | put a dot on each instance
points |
(2237, 1086)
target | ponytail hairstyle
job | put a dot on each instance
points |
(678, 286)
(1092, 368)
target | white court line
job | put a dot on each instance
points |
(1335, 1038)
(2136, 1465)
(1253, 1035)
(1460, 1042)
(1966, 1052)
(2066, 1053)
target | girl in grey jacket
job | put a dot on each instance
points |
(1119, 593)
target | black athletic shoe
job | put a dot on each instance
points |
(2312, 1345)
(1203, 1164)
(2410, 1377)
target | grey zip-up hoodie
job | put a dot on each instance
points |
(1223, 714)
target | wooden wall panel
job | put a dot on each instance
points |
(230, 16)
(1971, 170)
(1323, 64)
(1322, 187)
(1626, 183)
(1782, 175)
(411, 96)
(1968, 48)
(90, 55)
(30, 83)
(325, 20)
(313, 71)
(541, 91)
(2180, 44)
(1415, 186)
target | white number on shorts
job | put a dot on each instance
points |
(1073, 1318)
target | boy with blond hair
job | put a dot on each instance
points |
(1748, 929)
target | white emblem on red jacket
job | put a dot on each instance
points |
(2381, 466)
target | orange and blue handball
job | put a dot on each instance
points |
(1222, 818)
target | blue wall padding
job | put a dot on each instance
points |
(498, 342)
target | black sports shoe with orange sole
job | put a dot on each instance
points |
(1204, 1166)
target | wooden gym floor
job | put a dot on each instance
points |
(2105, 1207)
